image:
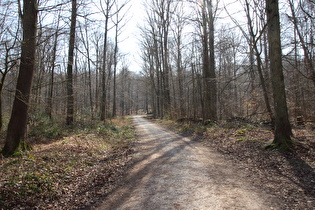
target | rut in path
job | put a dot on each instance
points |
(174, 172)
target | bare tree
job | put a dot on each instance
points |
(106, 12)
(70, 97)
(87, 47)
(306, 48)
(210, 86)
(117, 21)
(283, 130)
(52, 71)
(8, 50)
(162, 17)
(178, 31)
(253, 42)
(18, 120)
(157, 44)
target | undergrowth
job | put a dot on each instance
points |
(230, 131)
(62, 160)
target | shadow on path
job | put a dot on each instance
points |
(170, 172)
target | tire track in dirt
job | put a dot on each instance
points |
(174, 172)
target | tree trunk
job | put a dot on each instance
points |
(70, 97)
(51, 88)
(1, 89)
(87, 48)
(210, 87)
(18, 120)
(263, 85)
(4, 73)
(103, 99)
(115, 69)
(97, 73)
(283, 132)
(180, 74)
(165, 18)
(307, 52)
(205, 65)
(212, 76)
(254, 50)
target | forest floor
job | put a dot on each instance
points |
(73, 171)
(216, 167)
(287, 177)
(90, 168)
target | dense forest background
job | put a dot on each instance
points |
(202, 60)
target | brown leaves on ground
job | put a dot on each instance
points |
(73, 172)
(80, 169)
(289, 177)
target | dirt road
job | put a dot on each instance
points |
(174, 172)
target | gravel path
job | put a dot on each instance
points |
(173, 172)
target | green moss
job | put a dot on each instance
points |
(283, 147)
(240, 139)
(241, 132)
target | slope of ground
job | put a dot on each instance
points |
(71, 172)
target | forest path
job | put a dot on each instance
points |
(174, 172)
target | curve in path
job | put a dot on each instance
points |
(173, 172)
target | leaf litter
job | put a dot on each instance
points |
(78, 171)
(72, 172)
(289, 177)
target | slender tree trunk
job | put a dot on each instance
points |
(159, 98)
(115, 70)
(108, 82)
(263, 85)
(254, 50)
(173, 107)
(283, 132)
(251, 68)
(87, 47)
(212, 75)
(8, 66)
(205, 65)
(297, 85)
(166, 78)
(130, 105)
(51, 88)
(194, 98)
(103, 99)
(97, 52)
(70, 97)
(180, 77)
(18, 120)
(1, 88)
(307, 53)
(123, 88)
(4, 74)
(165, 18)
